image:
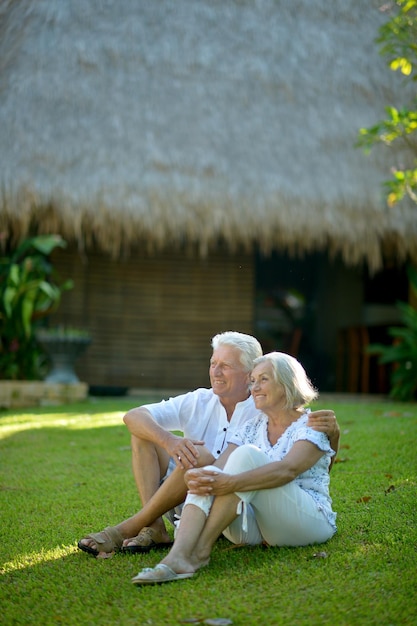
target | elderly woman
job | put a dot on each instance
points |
(274, 487)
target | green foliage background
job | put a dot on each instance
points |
(398, 43)
(28, 291)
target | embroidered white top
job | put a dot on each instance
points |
(315, 480)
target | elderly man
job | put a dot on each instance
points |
(160, 457)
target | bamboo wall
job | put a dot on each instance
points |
(152, 319)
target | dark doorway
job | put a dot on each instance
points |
(311, 307)
(286, 302)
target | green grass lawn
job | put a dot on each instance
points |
(67, 471)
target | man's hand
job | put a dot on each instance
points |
(325, 421)
(183, 450)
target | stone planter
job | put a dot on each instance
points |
(63, 350)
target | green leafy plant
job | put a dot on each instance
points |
(397, 39)
(29, 290)
(402, 354)
(398, 43)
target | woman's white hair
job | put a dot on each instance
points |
(289, 372)
(249, 347)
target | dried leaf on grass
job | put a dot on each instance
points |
(236, 546)
(212, 621)
(364, 499)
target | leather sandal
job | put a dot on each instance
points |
(108, 540)
(144, 542)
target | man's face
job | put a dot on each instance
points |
(228, 377)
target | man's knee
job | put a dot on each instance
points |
(148, 459)
(137, 443)
(144, 446)
(205, 457)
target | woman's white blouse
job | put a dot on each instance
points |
(315, 481)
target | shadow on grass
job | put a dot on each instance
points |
(69, 586)
(64, 476)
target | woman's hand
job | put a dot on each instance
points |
(207, 482)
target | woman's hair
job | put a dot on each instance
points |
(249, 347)
(289, 372)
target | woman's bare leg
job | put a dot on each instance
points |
(197, 534)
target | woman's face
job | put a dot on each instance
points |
(266, 392)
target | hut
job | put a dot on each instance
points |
(199, 158)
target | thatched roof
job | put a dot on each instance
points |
(135, 123)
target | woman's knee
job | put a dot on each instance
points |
(202, 502)
(245, 457)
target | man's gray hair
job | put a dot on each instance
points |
(250, 348)
(289, 372)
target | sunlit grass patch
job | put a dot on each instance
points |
(66, 471)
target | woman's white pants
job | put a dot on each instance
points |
(282, 516)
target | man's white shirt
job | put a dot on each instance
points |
(200, 415)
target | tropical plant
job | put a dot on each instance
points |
(29, 290)
(402, 353)
(398, 42)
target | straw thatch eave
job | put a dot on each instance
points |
(178, 123)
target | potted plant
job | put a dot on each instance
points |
(29, 290)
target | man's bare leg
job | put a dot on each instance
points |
(170, 494)
(149, 464)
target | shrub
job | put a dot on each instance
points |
(402, 354)
(29, 290)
